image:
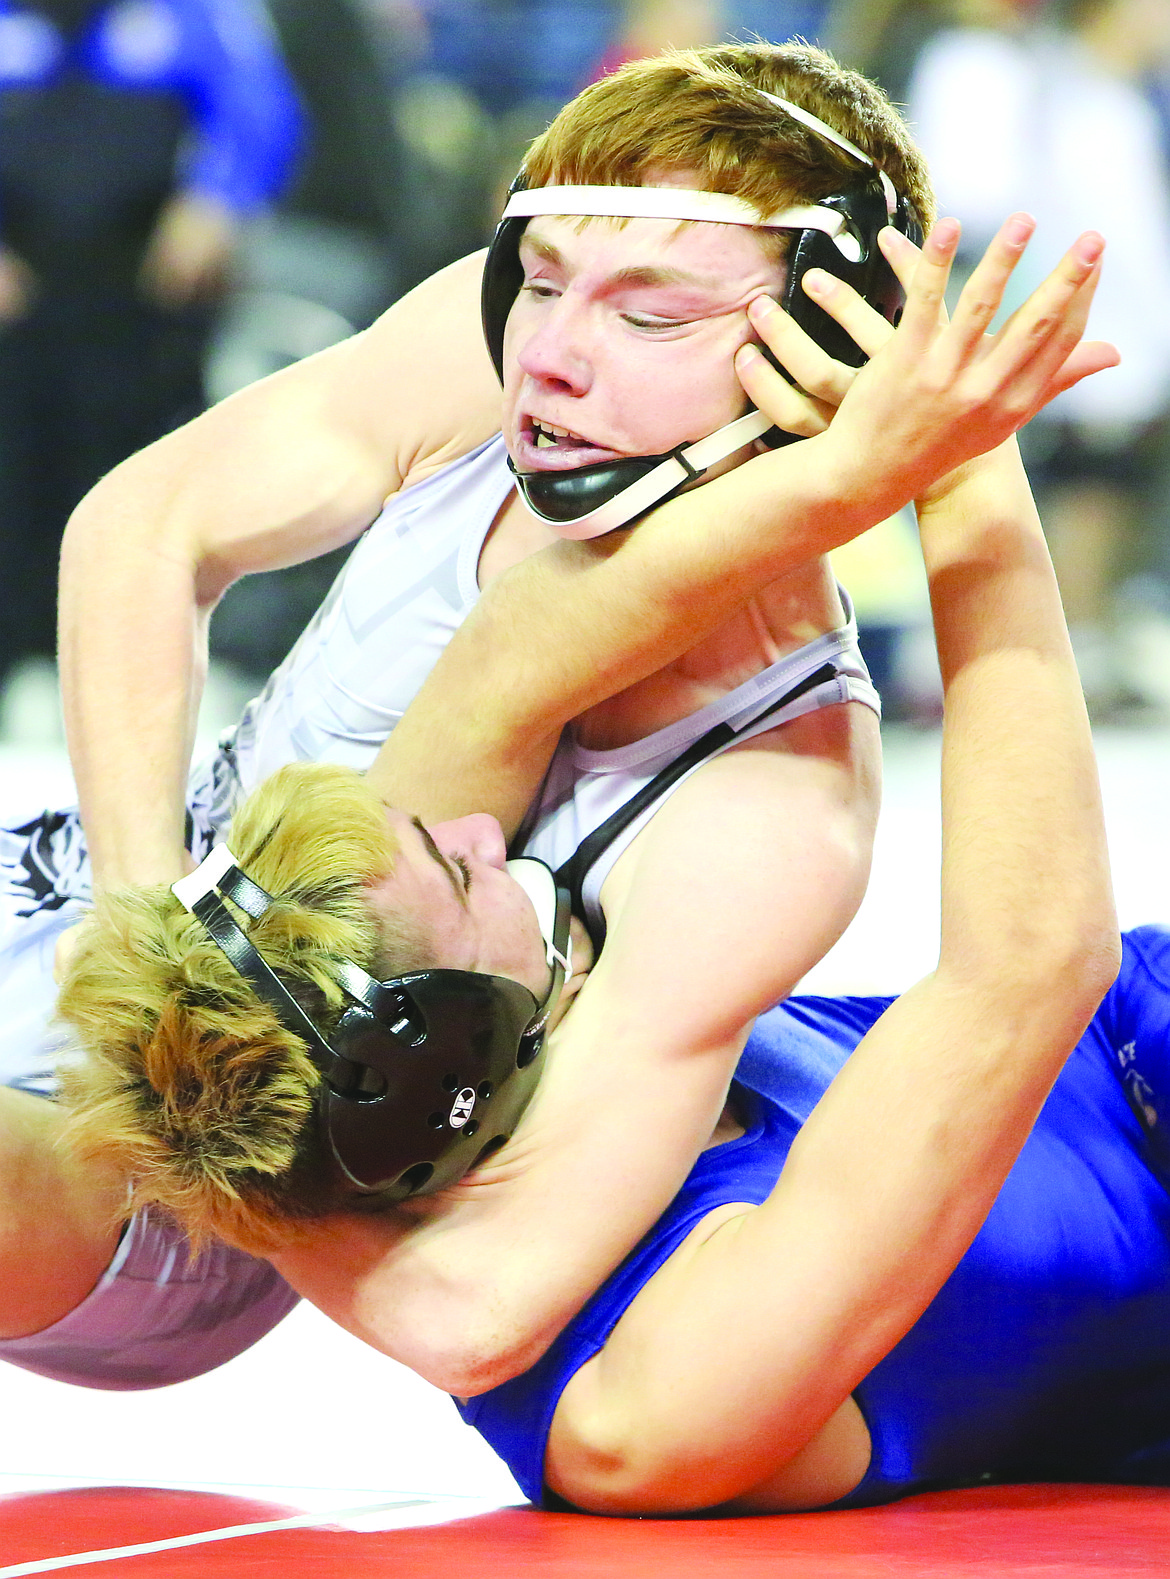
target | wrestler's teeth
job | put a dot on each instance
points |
(547, 434)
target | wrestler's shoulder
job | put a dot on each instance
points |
(421, 375)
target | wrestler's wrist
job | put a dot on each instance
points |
(1000, 466)
(138, 864)
(858, 492)
(986, 516)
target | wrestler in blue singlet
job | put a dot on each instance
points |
(1046, 1354)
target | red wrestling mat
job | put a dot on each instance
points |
(40, 1526)
(1043, 1532)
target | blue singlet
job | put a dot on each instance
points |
(1046, 1355)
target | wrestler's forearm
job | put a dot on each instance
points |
(896, 1168)
(578, 622)
(133, 645)
(146, 556)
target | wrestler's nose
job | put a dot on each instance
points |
(555, 350)
(478, 835)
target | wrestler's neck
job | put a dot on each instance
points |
(783, 617)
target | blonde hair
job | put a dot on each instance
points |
(190, 1084)
(695, 112)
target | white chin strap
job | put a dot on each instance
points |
(683, 466)
(538, 882)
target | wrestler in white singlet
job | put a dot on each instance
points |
(407, 586)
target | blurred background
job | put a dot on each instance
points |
(194, 193)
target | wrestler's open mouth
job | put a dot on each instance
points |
(545, 446)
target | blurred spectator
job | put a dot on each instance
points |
(884, 38)
(1055, 120)
(649, 26)
(488, 77)
(134, 138)
(349, 189)
(337, 249)
(335, 252)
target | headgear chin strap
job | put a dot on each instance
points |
(425, 1074)
(837, 234)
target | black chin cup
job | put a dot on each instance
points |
(420, 1088)
(560, 497)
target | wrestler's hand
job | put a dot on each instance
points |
(935, 393)
(808, 406)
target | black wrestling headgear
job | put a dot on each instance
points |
(838, 234)
(425, 1074)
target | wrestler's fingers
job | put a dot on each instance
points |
(1063, 358)
(770, 392)
(862, 323)
(982, 295)
(925, 307)
(900, 253)
(1033, 374)
(1091, 356)
(1055, 314)
(1043, 383)
(814, 370)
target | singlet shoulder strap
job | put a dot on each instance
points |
(576, 869)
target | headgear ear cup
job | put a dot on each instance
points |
(417, 1066)
(868, 273)
(503, 275)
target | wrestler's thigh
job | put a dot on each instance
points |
(59, 1217)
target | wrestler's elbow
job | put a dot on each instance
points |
(1040, 986)
(1094, 965)
(465, 1340)
(1088, 973)
(621, 1462)
(474, 1356)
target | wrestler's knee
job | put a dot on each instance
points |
(58, 1218)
